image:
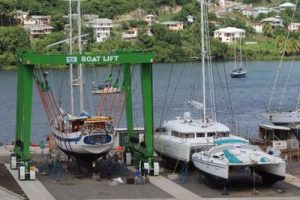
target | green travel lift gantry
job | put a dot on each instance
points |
(27, 61)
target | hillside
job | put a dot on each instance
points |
(168, 45)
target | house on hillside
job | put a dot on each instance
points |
(89, 17)
(41, 19)
(229, 34)
(190, 19)
(150, 19)
(21, 16)
(273, 21)
(174, 25)
(287, 5)
(101, 27)
(38, 30)
(294, 27)
(38, 25)
(258, 27)
(254, 12)
(130, 34)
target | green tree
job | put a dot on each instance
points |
(7, 7)
(12, 41)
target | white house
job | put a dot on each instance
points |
(249, 11)
(131, 33)
(254, 12)
(229, 34)
(150, 19)
(287, 5)
(38, 25)
(38, 30)
(293, 27)
(102, 28)
(274, 21)
(258, 28)
(174, 25)
(190, 19)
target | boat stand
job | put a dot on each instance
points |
(225, 190)
(184, 172)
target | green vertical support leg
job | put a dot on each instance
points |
(19, 112)
(28, 79)
(147, 93)
(24, 104)
(127, 88)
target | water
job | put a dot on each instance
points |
(173, 84)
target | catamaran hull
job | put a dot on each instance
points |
(171, 149)
(177, 150)
(284, 118)
(77, 144)
(212, 169)
(270, 173)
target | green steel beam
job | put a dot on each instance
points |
(28, 79)
(128, 98)
(23, 121)
(146, 81)
(19, 112)
(87, 58)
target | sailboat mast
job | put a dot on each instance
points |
(203, 62)
(71, 51)
(241, 58)
(235, 57)
(80, 52)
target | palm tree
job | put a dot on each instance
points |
(267, 29)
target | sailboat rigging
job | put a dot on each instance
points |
(85, 137)
(279, 117)
(179, 138)
(227, 153)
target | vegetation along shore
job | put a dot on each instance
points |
(150, 25)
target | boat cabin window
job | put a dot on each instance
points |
(161, 129)
(76, 125)
(187, 135)
(175, 134)
(222, 134)
(211, 134)
(200, 134)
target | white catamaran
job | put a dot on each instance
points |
(228, 156)
(180, 137)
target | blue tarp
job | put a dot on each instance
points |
(230, 157)
(229, 141)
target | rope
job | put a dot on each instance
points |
(167, 92)
(286, 82)
(173, 95)
(230, 102)
(280, 63)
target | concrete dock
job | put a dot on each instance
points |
(75, 186)
(35, 190)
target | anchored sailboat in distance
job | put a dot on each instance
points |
(85, 137)
(238, 70)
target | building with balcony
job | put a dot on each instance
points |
(174, 25)
(229, 34)
(101, 27)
